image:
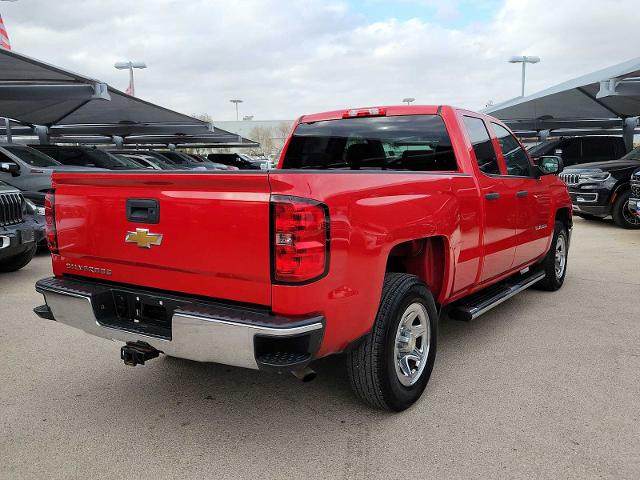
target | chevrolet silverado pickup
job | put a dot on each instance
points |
(375, 222)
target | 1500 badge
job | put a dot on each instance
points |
(87, 268)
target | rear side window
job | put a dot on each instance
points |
(598, 149)
(405, 143)
(515, 157)
(482, 146)
(569, 150)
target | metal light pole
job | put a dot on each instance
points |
(408, 100)
(236, 101)
(130, 66)
(524, 60)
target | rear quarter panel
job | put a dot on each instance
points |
(370, 213)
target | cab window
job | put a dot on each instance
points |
(482, 145)
(515, 156)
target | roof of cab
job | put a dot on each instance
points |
(390, 110)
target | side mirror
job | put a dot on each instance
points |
(550, 165)
(11, 168)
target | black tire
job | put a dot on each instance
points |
(622, 216)
(372, 364)
(552, 281)
(16, 262)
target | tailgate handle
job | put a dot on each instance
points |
(143, 210)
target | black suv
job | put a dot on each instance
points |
(234, 160)
(575, 150)
(600, 189)
(20, 230)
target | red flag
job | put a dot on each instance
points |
(4, 36)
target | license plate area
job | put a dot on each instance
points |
(136, 312)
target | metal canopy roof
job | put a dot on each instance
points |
(603, 99)
(36, 93)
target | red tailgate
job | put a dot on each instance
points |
(214, 227)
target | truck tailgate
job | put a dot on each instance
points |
(214, 228)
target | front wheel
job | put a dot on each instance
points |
(17, 262)
(555, 263)
(622, 215)
(390, 369)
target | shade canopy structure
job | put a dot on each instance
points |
(602, 100)
(36, 94)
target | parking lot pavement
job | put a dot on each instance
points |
(546, 385)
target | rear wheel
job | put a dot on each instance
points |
(622, 216)
(390, 369)
(555, 263)
(16, 262)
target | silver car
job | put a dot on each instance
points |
(28, 169)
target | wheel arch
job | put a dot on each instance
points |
(427, 258)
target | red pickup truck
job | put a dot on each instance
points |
(375, 221)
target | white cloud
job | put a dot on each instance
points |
(289, 58)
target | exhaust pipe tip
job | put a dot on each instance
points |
(305, 374)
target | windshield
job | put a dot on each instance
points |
(543, 148)
(632, 155)
(411, 142)
(129, 161)
(102, 159)
(32, 156)
(178, 158)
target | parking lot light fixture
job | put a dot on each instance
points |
(236, 101)
(524, 60)
(131, 90)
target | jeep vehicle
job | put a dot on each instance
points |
(576, 150)
(601, 189)
(376, 221)
(634, 198)
(20, 230)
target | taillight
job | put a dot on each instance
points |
(300, 229)
(365, 112)
(50, 221)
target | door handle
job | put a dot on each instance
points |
(522, 194)
(492, 196)
(143, 210)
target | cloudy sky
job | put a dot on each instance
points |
(285, 58)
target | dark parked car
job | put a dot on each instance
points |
(233, 159)
(20, 229)
(84, 157)
(634, 199)
(600, 189)
(576, 150)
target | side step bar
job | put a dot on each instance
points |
(480, 303)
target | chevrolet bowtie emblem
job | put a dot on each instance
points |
(143, 238)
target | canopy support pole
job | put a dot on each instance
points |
(629, 125)
(7, 130)
(43, 134)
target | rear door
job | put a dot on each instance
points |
(499, 203)
(532, 196)
(197, 233)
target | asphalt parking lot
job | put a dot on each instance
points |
(545, 386)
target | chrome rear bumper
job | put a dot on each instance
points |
(200, 331)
